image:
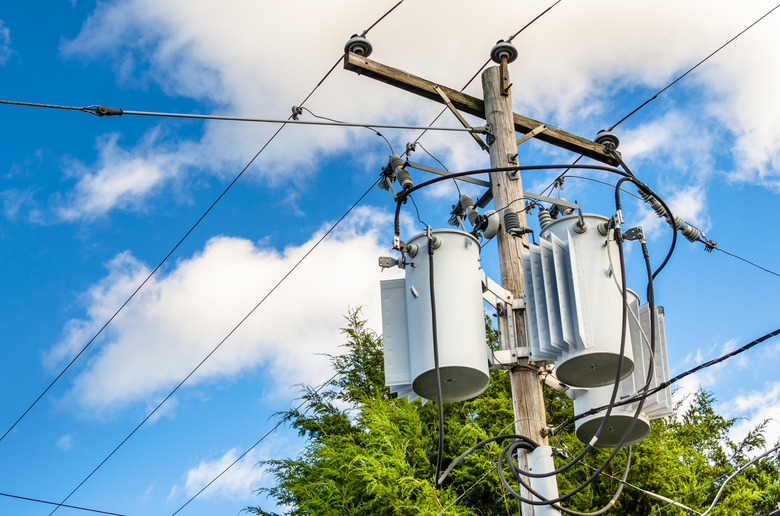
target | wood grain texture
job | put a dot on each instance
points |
(472, 105)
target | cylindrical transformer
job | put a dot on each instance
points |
(460, 320)
(619, 418)
(596, 287)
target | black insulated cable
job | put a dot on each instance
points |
(437, 370)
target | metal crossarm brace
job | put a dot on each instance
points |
(460, 118)
(534, 132)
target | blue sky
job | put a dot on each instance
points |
(89, 206)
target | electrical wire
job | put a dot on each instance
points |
(289, 121)
(734, 474)
(269, 432)
(468, 83)
(342, 123)
(235, 328)
(468, 490)
(436, 368)
(746, 261)
(457, 187)
(692, 69)
(141, 285)
(192, 228)
(417, 211)
(677, 378)
(664, 89)
(37, 500)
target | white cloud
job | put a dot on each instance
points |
(179, 317)
(753, 408)
(238, 483)
(243, 58)
(122, 179)
(65, 442)
(5, 44)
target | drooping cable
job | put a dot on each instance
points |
(269, 432)
(598, 512)
(235, 328)
(401, 198)
(737, 472)
(192, 228)
(288, 121)
(343, 123)
(78, 508)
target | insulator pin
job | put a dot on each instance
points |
(545, 218)
(512, 224)
(403, 177)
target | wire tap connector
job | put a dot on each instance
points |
(103, 111)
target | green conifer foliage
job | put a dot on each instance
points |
(369, 453)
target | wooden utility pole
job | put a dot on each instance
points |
(527, 393)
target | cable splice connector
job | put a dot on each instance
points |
(106, 111)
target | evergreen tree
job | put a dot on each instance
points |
(369, 453)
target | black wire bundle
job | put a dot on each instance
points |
(518, 442)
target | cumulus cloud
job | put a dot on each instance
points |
(242, 58)
(238, 483)
(753, 408)
(120, 178)
(180, 317)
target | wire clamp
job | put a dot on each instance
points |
(636, 233)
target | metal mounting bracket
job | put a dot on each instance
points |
(515, 174)
(509, 353)
(460, 118)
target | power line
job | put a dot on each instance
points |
(28, 499)
(272, 430)
(472, 486)
(484, 65)
(693, 68)
(675, 81)
(676, 379)
(746, 261)
(734, 473)
(235, 328)
(175, 247)
(105, 111)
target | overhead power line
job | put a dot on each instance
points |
(187, 234)
(272, 430)
(37, 500)
(746, 261)
(484, 65)
(674, 380)
(693, 68)
(675, 81)
(235, 328)
(106, 111)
